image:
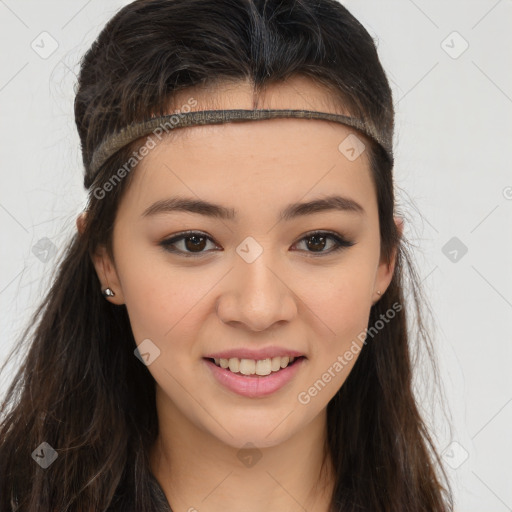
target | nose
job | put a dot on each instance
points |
(256, 295)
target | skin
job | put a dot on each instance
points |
(190, 307)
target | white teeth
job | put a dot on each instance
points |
(255, 367)
(276, 364)
(247, 366)
(234, 364)
(264, 367)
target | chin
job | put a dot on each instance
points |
(266, 432)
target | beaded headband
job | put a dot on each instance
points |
(157, 125)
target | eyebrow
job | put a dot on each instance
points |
(292, 211)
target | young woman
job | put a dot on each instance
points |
(228, 329)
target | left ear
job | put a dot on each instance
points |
(386, 270)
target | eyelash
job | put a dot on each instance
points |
(341, 243)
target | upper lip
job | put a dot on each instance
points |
(262, 353)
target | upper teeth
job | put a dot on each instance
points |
(252, 366)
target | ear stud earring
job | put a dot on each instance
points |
(108, 292)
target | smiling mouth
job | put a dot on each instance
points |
(252, 367)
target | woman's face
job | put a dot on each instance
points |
(255, 280)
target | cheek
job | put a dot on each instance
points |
(342, 300)
(342, 307)
(347, 316)
(161, 299)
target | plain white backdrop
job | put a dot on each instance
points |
(449, 63)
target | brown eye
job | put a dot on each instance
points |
(317, 241)
(195, 243)
(192, 243)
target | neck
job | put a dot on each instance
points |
(198, 471)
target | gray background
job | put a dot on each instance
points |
(453, 176)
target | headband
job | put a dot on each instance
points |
(157, 125)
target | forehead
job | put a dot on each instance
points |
(263, 161)
(254, 167)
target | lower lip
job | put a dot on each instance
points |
(254, 386)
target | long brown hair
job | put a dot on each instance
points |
(81, 390)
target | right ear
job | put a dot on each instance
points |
(80, 222)
(107, 275)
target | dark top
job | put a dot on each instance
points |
(159, 499)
